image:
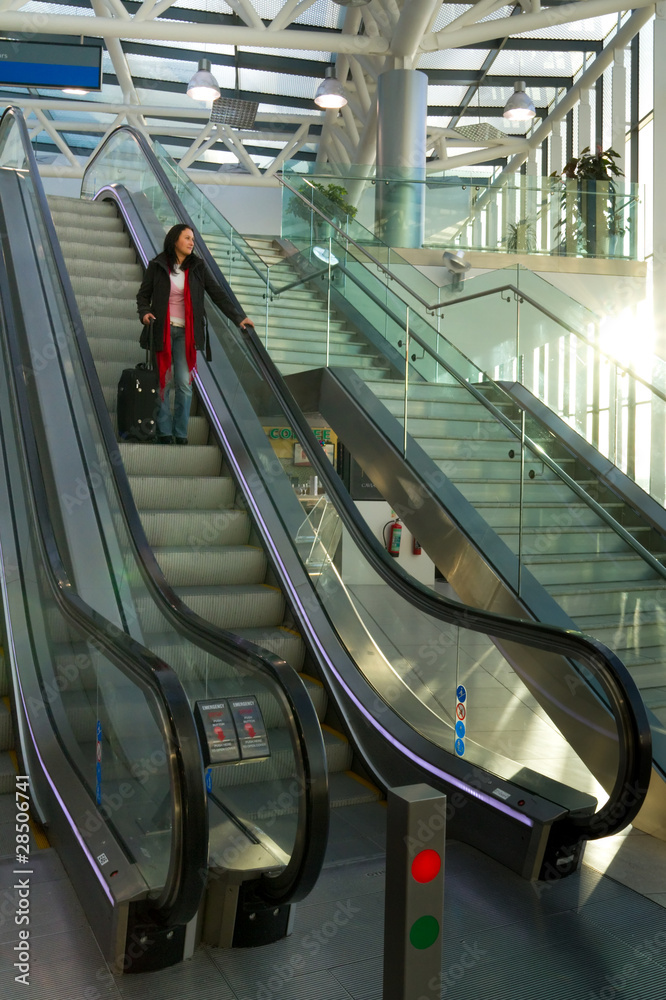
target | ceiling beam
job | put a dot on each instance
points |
(566, 13)
(216, 34)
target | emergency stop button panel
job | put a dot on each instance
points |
(231, 730)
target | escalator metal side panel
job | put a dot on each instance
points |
(391, 749)
(444, 522)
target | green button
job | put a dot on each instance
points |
(424, 932)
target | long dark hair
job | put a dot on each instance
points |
(170, 241)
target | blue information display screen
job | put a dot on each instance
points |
(50, 64)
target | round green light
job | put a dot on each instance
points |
(424, 932)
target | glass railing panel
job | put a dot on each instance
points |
(419, 665)
(107, 728)
(513, 214)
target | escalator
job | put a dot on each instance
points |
(517, 524)
(393, 703)
(104, 728)
(264, 490)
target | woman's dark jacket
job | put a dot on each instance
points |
(153, 296)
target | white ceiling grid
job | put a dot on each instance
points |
(266, 47)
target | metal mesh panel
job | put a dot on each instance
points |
(482, 132)
(232, 111)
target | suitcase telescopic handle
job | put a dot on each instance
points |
(150, 357)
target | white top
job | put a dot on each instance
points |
(177, 297)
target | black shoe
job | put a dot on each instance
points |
(181, 440)
(164, 439)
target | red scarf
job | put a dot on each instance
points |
(163, 357)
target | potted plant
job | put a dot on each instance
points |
(591, 215)
(330, 200)
(521, 237)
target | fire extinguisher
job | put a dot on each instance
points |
(416, 546)
(394, 536)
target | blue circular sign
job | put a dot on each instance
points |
(461, 692)
(460, 729)
(460, 747)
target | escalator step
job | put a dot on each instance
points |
(186, 493)
(66, 219)
(349, 789)
(222, 564)
(75, 251)
(194, 460)
(77, 234)
(236, 607)
(338, 750)
(284, 642)
(84, 209)
(196, 528)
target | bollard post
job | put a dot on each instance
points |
(414, 902)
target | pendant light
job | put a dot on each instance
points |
(330, 92)
(519, 107)
(203, 85)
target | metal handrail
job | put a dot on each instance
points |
(433, 307)
(502, 418)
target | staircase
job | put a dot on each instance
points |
(606, 588)
(196, 521)
(297, 322)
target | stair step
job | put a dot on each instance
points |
(82, 207)
(79, 234)
(66, 219)
(196, 528)
(156, 460)
(235, 607)
(185, 493)
(214, 565)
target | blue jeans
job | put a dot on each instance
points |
(176, 425)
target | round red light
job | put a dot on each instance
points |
(426, 865)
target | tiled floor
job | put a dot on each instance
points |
(588, 937)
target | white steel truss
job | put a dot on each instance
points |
(384, 34)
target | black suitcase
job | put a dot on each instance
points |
(138, 404)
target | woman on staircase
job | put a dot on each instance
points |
(172, 298)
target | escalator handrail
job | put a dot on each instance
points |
(444, 304)
(302, 870)
(615, 679)
(618, 685)
(180, 897)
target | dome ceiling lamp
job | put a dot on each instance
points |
(519, 107)
(203, 86)
(330, 92)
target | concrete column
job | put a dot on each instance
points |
(556, 150)
(402, 107)
(619, 107)
(584, 122)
